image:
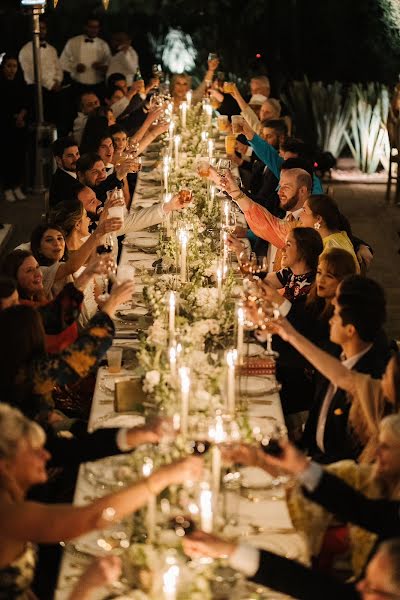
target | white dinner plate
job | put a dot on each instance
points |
(257, 386)
(252, 350)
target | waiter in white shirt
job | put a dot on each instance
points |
(51, 70)
(125, 59)
(86, 57)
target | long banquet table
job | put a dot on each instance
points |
(262, 521)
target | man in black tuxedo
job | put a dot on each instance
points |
(356, 328)
(64, 182)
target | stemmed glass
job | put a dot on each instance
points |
(106, 248)
(223, 166)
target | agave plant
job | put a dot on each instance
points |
(321, 113)
(332, 115)
(368, 137)
(298, 100)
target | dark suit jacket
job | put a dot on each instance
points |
(110, 183)
(62, 187)
(338, 441)
(291, 578)
(379, 516)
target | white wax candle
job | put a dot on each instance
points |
(165, 176)
(216, 475)
(219, 284)
(184, 376)
(177, 141)
(171, 312)
(226, 207)
(151, 505)
(217, 435)
(170, 582)
(206, 508)
(171, 130)
(230, 382)
(183, 239)
(240, 333)
(210, 145)
(168, 198)
(208, 111)
(183, 109)
(211, 189)
(172, 361)
(204, 136)
(189, 98)
(224, 254)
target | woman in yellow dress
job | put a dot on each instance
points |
(321, 212)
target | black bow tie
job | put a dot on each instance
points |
(43, 45)
(88, 41)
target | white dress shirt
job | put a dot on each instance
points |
(271, 253)
(125, 62)
(78, 51)
(330, 392)
(78, 127)
(50, 65)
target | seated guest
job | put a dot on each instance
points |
(23, 268)
(329, 491)
(64, 181)
(49, 248)
(377, 480)
(322, 213)
(103, 145)
(120, 142)
(333, 266)
(264, 182)
(60, 315)
(8, 292)
(123, 101)
(181, 84)
(294, 190)
(88, 102)
(260, 84)
(92, 173)
(23, 523)
(295, 279)
(337, 429)
(97, 125)
(294, 579)
(270, 156)
(291, 147)
(74, 221)
(30, 375)
(299, 263)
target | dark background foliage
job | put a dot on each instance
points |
(347, 40)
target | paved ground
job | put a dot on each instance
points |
(364, 204)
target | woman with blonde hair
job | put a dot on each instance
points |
(25, 523)
(380, 479)
(181, 84)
